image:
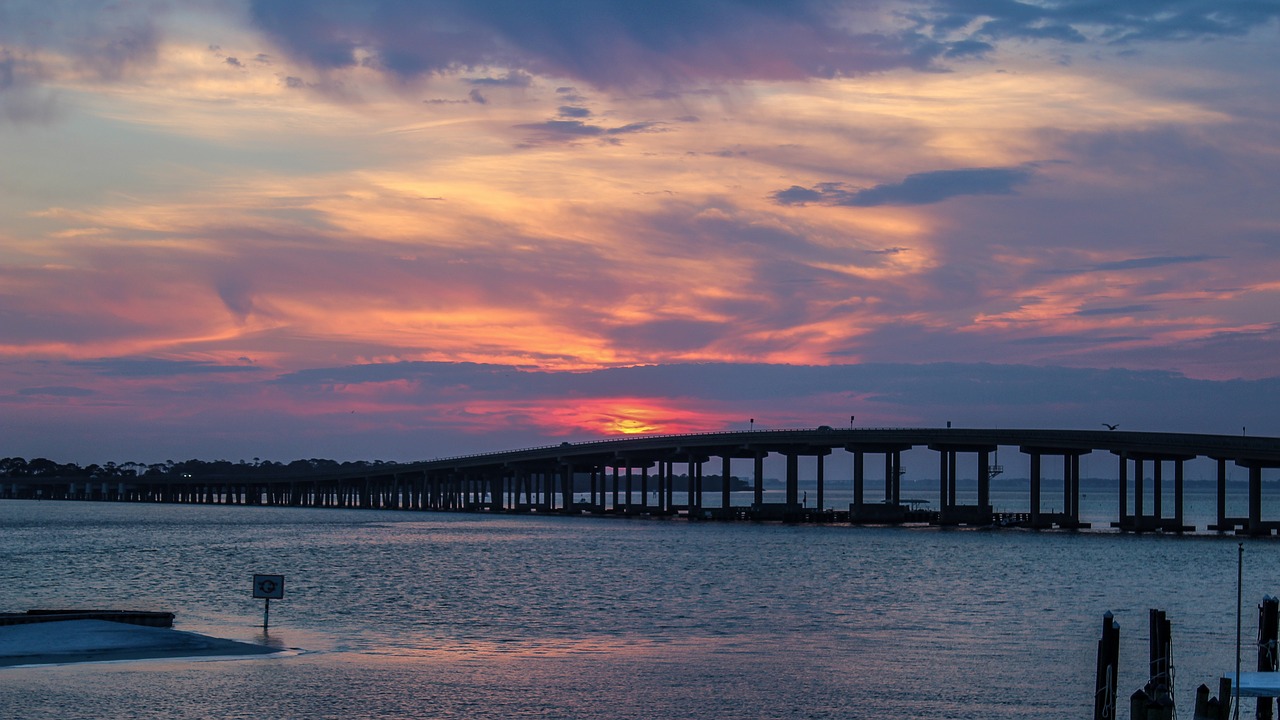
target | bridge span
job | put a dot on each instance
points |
(636, 475)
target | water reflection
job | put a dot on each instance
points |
(417, 616)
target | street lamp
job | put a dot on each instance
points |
(851, 422)
(752, 427)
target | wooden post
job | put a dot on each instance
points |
(1159, 689)
(1224, 699)
(1213, 708)
(1268, 614)
(1104, 696)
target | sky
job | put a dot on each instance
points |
(406, 229)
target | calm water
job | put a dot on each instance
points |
(407, 615)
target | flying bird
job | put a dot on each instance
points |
(1109, 426)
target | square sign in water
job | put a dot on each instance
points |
(270, 587)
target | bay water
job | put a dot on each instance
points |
(394, 614)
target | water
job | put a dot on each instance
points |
(420, 615)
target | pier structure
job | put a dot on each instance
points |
(637, 475)
(1069, 518)
(1157, 519)
(891, 509)
(950, 512)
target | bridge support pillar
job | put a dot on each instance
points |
(822, 458)
(644, 486)
(1255, 500)
(759, 479)
(859, 482)
(724, 483)
(793, 480)
(1222, 494)
(1035, 490)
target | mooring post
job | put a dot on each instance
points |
(1213, 708)
(1268, 614)
(1160, 646)
(1104, 697)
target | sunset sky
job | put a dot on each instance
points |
(402, 229)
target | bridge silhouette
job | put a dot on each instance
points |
(636, 475)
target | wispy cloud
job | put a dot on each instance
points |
(611, 43)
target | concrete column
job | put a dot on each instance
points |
(692, 485)
(1255, 499)
(859, 481)
(1157, 502)
(662, 486)
(671, 488)
(724, 478)
(984, 480)
(944, 484)
(1035, 489)
(793, 480)
(1124, 487)
(629, 499)
(759, 479)
(615, 486)
(888, 477)
(951, 475)
(567, 487)
(822, 461)
(644, 485)
(698, 482)
(897, 478)
(1177, 492)
(1066, 484)
(1137, 492)
(1075, 488)
(1222, 493)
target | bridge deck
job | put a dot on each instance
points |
(613, 472)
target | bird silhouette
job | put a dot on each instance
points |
(1109, 426)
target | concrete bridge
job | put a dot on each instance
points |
(636, 475)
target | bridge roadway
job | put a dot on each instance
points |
(615, 475)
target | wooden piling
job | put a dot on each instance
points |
(1268, 614)
(1104, 697)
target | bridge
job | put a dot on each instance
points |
(636, 475)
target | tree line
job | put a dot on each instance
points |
(43, 467)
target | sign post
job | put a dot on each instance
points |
(268, 587)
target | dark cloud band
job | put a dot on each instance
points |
(918, 189)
